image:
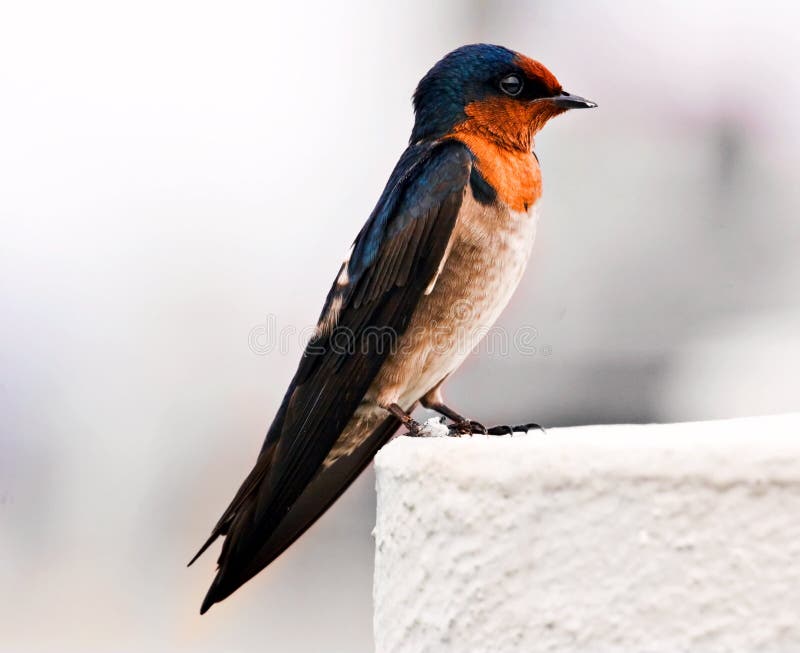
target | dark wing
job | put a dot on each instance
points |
(394, 259)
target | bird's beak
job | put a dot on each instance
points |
(569, 101)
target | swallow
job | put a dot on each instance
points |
(430, 271)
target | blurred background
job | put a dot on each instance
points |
(175, 177)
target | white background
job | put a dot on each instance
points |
(172, 173)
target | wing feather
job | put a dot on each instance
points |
(394, 258)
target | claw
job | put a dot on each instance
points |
(531, 426)
(502, 429)
(477, 427)
(467, 427)
(505, 429)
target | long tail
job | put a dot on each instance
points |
(250, 544)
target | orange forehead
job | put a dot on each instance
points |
(535, 70)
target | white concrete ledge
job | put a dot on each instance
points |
(680, 537)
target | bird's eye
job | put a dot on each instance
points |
(511, 85)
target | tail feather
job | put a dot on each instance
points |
(246, 490)
(248, 549)
(211, 538)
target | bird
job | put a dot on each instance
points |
(430, 271)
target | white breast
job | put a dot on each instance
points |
(488, 251)
(490, 247)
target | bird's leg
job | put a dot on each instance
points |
(460, 423)
(433, 401)
(413, 426)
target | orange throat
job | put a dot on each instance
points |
(514, 174)
(499, 132)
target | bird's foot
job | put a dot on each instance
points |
(505, 429)
(430, 428)
(414, 429)
(460, 424)
(466, 427)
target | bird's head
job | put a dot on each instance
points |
(492, 91)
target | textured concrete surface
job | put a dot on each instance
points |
(679, 537)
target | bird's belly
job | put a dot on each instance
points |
(490, 248)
